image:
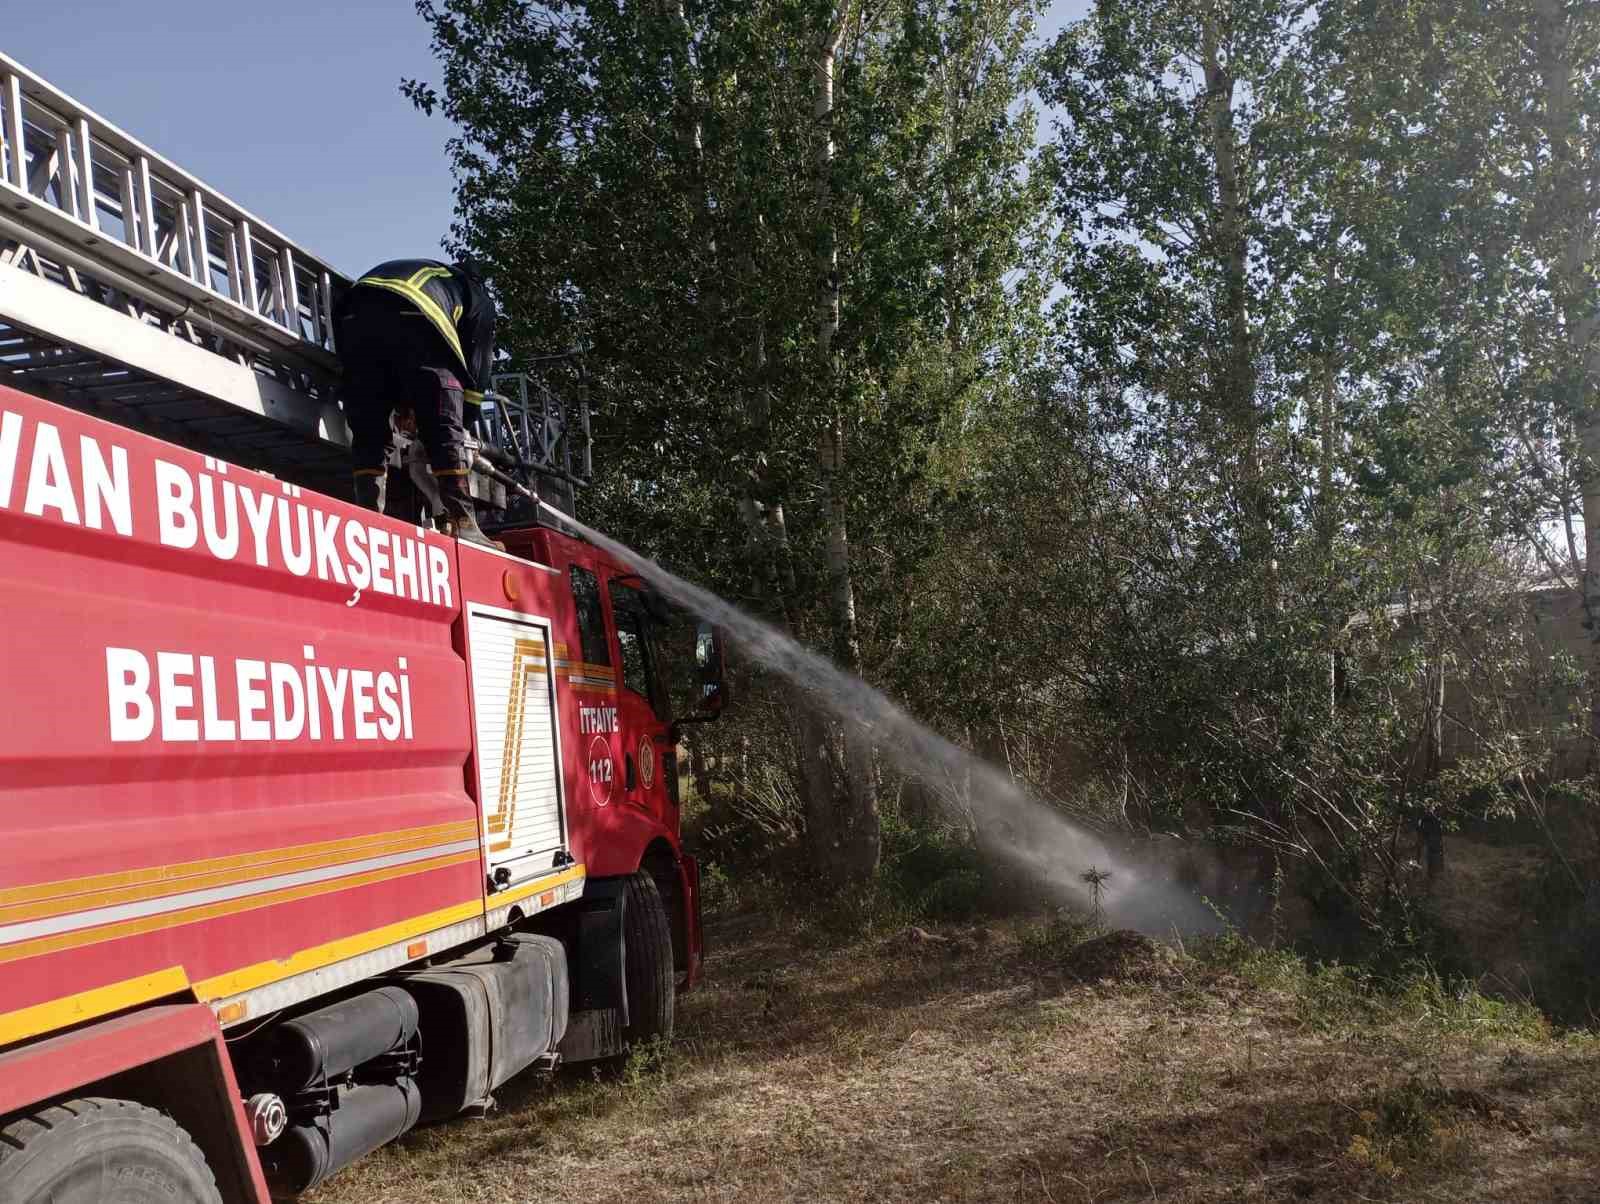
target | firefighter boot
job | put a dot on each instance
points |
(459, 514)
(371, 489)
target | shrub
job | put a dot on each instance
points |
(931, 869)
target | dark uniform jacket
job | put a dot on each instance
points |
(457, 305)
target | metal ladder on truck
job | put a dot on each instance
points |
(131, 290)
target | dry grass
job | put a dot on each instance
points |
(981, 1068)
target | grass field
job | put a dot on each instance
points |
(978, 1064)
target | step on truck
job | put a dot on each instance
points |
(315, 824)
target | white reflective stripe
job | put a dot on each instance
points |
(532, 905)
(441, 943)
(299, 987)
(258, 886)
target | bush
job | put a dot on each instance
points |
(751, 847)
(932, 870)
(1051, 940)
(1565, 945)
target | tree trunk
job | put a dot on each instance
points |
(1328, 520)
(1328, 451)
(773, 566)
(1239, 382)
(774, 571)
(702, 775)
(691, 143)
(1590, 441)
(1565, 194)
(1429, 828)
(859, 834)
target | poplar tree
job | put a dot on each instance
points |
(793, 241)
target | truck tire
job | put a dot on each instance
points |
(647, 941)
(83, 1151)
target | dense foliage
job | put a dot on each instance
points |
(1216, 454)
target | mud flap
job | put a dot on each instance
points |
(696, 936)
(600, 992)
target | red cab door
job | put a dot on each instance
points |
(643, 709)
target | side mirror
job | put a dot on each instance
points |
(711, 665)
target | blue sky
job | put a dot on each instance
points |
(291, 108)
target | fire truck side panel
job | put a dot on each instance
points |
(609, 825)
(612, 827)
(257, 746)
(233, 726)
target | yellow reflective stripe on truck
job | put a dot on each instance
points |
(243, 902)
(91, 1004)
(226, 872)
(101, 1001)
(172, 876)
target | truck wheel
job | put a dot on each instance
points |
(84, 1151)
(647, 937)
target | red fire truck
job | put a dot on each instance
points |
(315, 824)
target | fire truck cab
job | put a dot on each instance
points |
(315, 824)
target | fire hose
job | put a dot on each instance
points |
(505, 478)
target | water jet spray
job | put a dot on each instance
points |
(1018, 828)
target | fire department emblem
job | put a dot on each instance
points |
(647, 763)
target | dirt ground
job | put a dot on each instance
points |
(978, 1064)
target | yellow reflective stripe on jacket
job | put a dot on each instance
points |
(411, 290)
(473, 398)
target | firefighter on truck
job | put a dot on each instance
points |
(417, 341)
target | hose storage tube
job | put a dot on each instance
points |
(364, 1118)
(347, 1075)
(319, 1047)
